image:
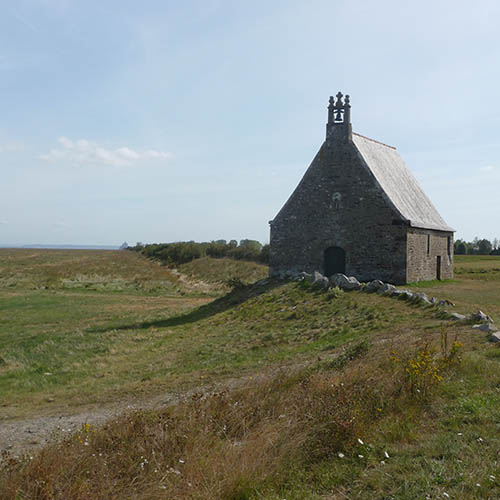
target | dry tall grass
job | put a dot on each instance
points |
(212, 447)
(223, 445)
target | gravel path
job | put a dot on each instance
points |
(23, 436)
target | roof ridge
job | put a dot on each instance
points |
(373, 140)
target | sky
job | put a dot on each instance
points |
(161, 120)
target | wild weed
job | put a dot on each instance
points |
(421, 371)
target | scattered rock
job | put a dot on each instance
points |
(303, 276)
(373, 286)
(320, 280)
(338, 279)
(386, 289)
(403, 294)
(495, 337)
(353, 284)
(457, 316)
(344, 282)
(422, 298)
(445, 302)
(480, 317)
(486, 327)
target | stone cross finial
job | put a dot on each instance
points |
(339, 108)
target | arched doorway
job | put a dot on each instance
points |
(334, 261)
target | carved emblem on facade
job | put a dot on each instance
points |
(337, 198)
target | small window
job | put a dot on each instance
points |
(449, 245)
(428, 244)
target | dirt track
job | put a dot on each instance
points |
(22, 436)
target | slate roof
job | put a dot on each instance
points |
(399, 184)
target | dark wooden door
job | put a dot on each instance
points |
(438, 267)
(334, 261)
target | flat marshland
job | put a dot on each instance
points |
(293, 392)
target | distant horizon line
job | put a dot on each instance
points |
(63, 246)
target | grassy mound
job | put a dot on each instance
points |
(223, 271)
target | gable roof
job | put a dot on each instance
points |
(399, 184)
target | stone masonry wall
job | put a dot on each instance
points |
(339, 203)
(422, 259)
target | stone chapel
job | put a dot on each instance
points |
(358, 210)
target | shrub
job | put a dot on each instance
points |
(181, 252)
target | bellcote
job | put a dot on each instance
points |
(339, 118)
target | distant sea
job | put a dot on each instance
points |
(66, 247)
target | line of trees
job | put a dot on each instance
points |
(477, 247)
(181, 252)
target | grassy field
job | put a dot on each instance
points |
(105, 271)
(80, 327)
(476, 284)
(61, 347)
(342, 395)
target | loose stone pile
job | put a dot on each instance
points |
(482, 321)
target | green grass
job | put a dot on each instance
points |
(447, 445)
(58, 309)
(476, 285)
(471, 263)
(321, 374)
(100, 345)
(96, 348)
(94, 270)
(281, 438)
(430, 283)
(52, 332)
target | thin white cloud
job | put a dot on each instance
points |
(488, 168)
(84, 152)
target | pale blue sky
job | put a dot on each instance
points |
(167, 120)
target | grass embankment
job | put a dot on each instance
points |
(368, 402)
(223, 271)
